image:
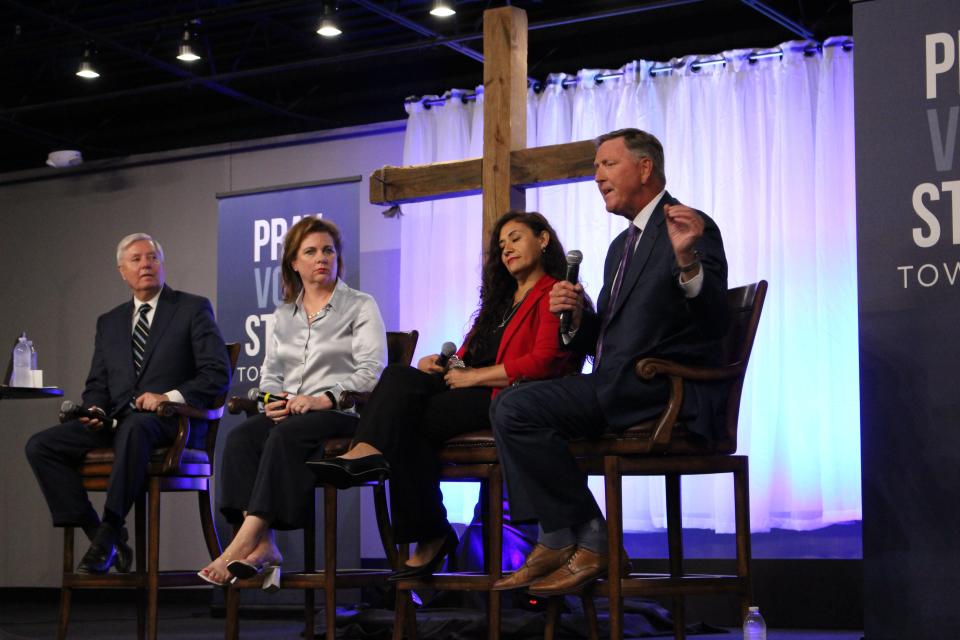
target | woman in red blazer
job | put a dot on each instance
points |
(412, 411)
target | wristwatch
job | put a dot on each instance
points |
(687, 268)
(333, 398)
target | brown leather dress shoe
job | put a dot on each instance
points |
(583, 567)
(541, 562)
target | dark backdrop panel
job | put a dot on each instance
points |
(907, 80)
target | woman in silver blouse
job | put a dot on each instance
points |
(326, 338)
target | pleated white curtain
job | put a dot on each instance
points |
(766, 149)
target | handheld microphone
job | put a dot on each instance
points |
(70, 410)
(447, 350)
(264, 397)
(574, 258)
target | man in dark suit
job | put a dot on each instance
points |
(664, 295)
(164, 345)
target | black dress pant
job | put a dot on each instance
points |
(410, 415)
(264, 465)
(55, 453)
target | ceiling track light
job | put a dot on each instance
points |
(328, 26)
(442, 8)
(86, 69)
(185, 52)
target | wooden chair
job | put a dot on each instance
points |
(664, 447)
(400, 348)
(172, 469)
(470, 457)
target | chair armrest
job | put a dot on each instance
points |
(183, 412)
(168, 409)
(352, 399)
(236, 405)
(648, 368)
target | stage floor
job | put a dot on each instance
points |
(115, 621)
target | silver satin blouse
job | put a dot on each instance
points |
(345, 347)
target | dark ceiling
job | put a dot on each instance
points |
(265, 72)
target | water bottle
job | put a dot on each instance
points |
(754, 628)
(21, 364)
(33, 356)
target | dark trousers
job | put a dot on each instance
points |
(409, 416)
(533, 424)
(264, 468)
(55, 453)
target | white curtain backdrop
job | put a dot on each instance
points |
(766, 149)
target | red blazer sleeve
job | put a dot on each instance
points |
(533, 350)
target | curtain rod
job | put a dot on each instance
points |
(656, 70)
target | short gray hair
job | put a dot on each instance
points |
(136, 237)
(642, 145)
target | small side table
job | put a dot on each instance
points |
(29, 393)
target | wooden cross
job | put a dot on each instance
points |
(507, 168)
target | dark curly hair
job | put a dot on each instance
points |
(498, 286)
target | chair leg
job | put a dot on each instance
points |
(153, 562)
(552, 620)
(140, 531)
(65, 591)
(675, 543)
(231, 627)
(310, 566)
(590, 613)
(330, 558)
(400, 613)
(208, 524)
(741, 501)
(494, 552)
(614, 498)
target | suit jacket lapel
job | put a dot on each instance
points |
(161, 320)
(124, 327)
(532, 299)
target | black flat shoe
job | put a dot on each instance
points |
(343, 473)
(102, 552)
(123, 560)
(430, 567)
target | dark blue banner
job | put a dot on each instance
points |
(907, 83)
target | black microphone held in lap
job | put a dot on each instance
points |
(447, 350)
(70, 410)
(574, 258)
(264, 397)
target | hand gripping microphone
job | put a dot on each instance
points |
(447, 350)
(264, 397)
(574, 258)
(70, 410)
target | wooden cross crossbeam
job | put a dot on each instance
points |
(507, 167)
(536, 167)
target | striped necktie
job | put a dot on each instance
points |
(140, 333)
(629, 246)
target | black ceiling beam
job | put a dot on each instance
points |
(785, 22)
(36, 135)
(419, 28)
(207, 81)
(330, 60)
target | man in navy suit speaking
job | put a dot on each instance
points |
(664, 295)
(163, 345)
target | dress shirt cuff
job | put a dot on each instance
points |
(175, 396)
(691, 288)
